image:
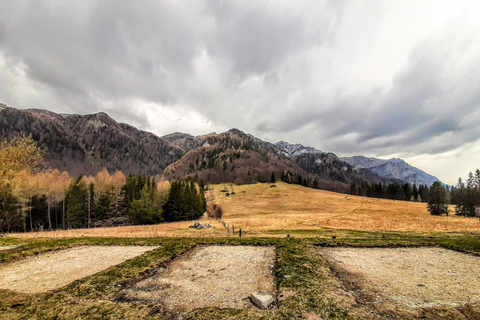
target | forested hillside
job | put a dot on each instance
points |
(32, 198)
(87, 144)
(232, 156)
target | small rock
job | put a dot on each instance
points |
(261, 300)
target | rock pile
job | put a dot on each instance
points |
(198, 225)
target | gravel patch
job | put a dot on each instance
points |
(209, 276)
(412, 277)
(54, 270)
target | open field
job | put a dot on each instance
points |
(262, 210)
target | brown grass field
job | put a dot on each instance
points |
(262, 210)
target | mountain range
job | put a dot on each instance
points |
(392, 169)
(85, 144)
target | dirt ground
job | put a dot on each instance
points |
(411, 277)
(53, 270)
(209, 276)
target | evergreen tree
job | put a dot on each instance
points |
(37, 213)
(9, 219)
(132, 191)
(399, 194)
(103, 207)
(407, 190)
(437, 203)
(415, 192)
(353, 188)
(146, 209)
(466, 196)
(423, 192)
(75, 203)
(184, 201)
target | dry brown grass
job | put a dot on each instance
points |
(175, 229)
(293, 207)
(261, 209)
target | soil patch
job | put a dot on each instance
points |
(209, 276)
(411, 277)
(56, 269)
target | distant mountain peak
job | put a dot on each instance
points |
(295, 149)
(394, 168)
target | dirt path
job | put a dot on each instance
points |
(53, 270)
(210, 276)
(412, 277)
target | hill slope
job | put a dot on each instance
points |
(232, 156)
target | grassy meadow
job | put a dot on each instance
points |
(266, 210)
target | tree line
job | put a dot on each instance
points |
(465, 195)
(393, 191)
(32, 199)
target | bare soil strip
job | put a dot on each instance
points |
(412, 277)
(54, 270)
(209, 276)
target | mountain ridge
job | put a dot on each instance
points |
(85, 144)
(394, 168)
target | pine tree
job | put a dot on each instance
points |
(415, 191)
(466, 196)
(75, 202)
(184, 201)
(146, 210)
(437, 203)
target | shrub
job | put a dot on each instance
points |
(214, 211)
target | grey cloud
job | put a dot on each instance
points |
(256, 38)
(272, 61)
(419, 107)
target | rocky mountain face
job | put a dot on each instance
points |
(392, 169)
(295, 149)
(87, 144)
(328, 166)
(184, 141)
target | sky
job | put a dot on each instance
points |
(378, 78)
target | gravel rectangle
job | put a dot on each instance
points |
(412, 277)
(209, 276)
(56, 269)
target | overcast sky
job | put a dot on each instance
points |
(378, 78)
